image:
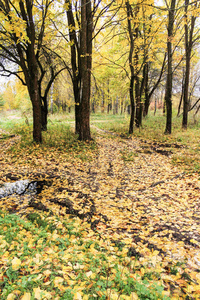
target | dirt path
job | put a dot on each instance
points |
(144, 197)
(129, 192)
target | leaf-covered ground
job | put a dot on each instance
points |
(135, 231)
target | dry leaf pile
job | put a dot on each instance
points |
(129, 198)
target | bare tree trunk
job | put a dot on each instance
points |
(168, 91)
(131, 93)
(181, 98)
(132, 106)
(155, 106)
(36, 104)
(102, 101)
(31, 69)
(188, 50)
(44, 113)
(86, 65)
(51, 99)
(146, 91)
(138, 113)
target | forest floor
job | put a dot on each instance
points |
(128, 191)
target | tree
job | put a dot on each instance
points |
(1, 102)
(143, 32)
(51, 64)
(82, 23)
(81, 63)
(168, 91)
(25, 43)
(189, 32)
(131, 49)
(17, 44)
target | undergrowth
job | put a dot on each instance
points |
(50, 257)
(60, 134)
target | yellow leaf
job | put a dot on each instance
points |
(17, 292)
(37, 292)
(40, 294)
(3, 243)
(156, 252)
(26, 296)
(57, 281)
(77, 296)
(134, 296)
(11, 297)
(16, 263)
(88, 274)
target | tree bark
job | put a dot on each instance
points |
(31, 71)
(131, 85)
(81, 61)
(28, 64)
(146, 91)
(188, 50)
(75, 63)
(44, 113)
(168, 91)
(138, 113)
(86, 65)
(181, 98)
(132, 105)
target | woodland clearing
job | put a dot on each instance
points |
(114, 219)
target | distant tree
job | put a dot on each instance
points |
(1, 102)
(144, 29)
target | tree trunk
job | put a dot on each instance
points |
(44, 113)
(86, 64)
(93, 107)
(188, 50)
(168, 92)
(34, 96)
(131, 93)
(164, 107)
(181, 98)
(187, 71)
(33, 88)
(51, 99)
(102, 102)
(155, 107)
(30, 69)
(146, 91)
(102, 106)
(132, 106)
(75, 63)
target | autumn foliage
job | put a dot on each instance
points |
(114, 220)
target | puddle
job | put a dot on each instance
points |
(22, 187)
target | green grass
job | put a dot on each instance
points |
(61, 127)
(40, 241)
(153, 127)
(59, 137)
(10, 119)
(60, 257)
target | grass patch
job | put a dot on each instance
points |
(153, 127)
(50, 257)
(128, 155)
(60, 135)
